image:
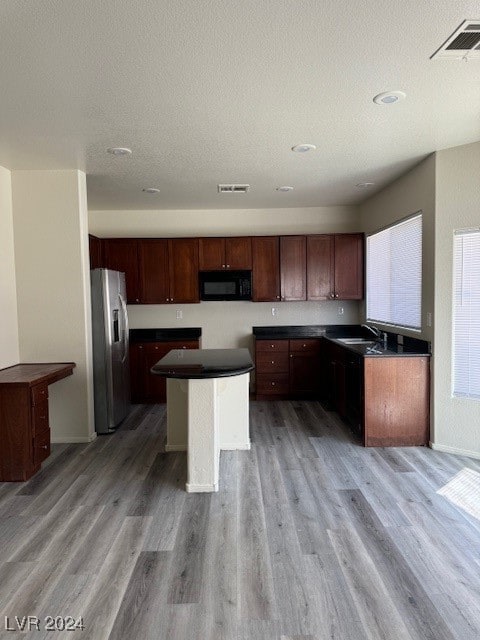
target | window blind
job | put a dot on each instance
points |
(394, 274)
(466, 314)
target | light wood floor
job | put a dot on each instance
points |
(310, 537)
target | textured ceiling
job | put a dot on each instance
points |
(218, 91)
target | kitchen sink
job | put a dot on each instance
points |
(356, 340)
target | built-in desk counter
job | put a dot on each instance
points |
(24, 426)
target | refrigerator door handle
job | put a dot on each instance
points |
(123, 304)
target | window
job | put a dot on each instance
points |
(394, 274)
(466, 314)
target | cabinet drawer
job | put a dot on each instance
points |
(40, 417)
(272, 383)
(309, 345)
(39, 394)
(41, 447)
(271, 345)
(271, 362)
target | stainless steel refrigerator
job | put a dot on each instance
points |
(110, 349)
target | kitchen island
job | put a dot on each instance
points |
(207, 408)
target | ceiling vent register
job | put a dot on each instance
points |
(233, 188)
(463, 44)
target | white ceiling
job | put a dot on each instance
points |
(218, 91)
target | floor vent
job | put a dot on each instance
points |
(463, 44)
(233, 188)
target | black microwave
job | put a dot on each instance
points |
(225, 285)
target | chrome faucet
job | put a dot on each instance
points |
(376, 332)
(381, 336)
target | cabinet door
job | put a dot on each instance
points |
(238, 253)
(320, 267)
(266, 268)
(96, 252)
(183, 262)
(211, 254)
(305, 368)
(154, 274)
(135, 373)
(155, 387)
(293, 267)
(349, 266)
(122, 255)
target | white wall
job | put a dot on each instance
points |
(221, 222)
(412, 192)
(227, 325)
(458, 207)
(53, 290)
(9, 351)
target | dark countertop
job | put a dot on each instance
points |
(376, 350)
(204, 363)
(165, 335)
(410, 346)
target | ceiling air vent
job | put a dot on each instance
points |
(463, 44)
(233, 188)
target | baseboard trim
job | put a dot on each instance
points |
(201, 488)
(242, 446)
(455, 450)
(236, 446)
(175, 447)
(73, 439)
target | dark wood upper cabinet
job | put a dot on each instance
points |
(154, 271)
(266, 268)
(293, 272)
(349, 266)
(335, 266)
(225, 253)
(162, 271)
(96, 252)
(121, 254)
(238, 253)
(183, 268)
(320, 267)
(211, 254)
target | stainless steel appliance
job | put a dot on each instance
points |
(225, 285)
(110, 349)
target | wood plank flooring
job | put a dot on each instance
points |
(311, 537)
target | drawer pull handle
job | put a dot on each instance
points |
(304, 345)
(45, 446)
(273, 361)
(273, 384)
(43, 417)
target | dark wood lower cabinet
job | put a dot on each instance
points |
(146, 387)
(396, 401)
(24, 425)
(288, 368)
(385, 400)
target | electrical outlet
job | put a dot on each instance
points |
(340, 311)
(179, 314)
(274, 311)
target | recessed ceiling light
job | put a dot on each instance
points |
(364, 185)
(151, 190)
(302, 148)
(285, 188)
(120, 151)
(389, 97)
